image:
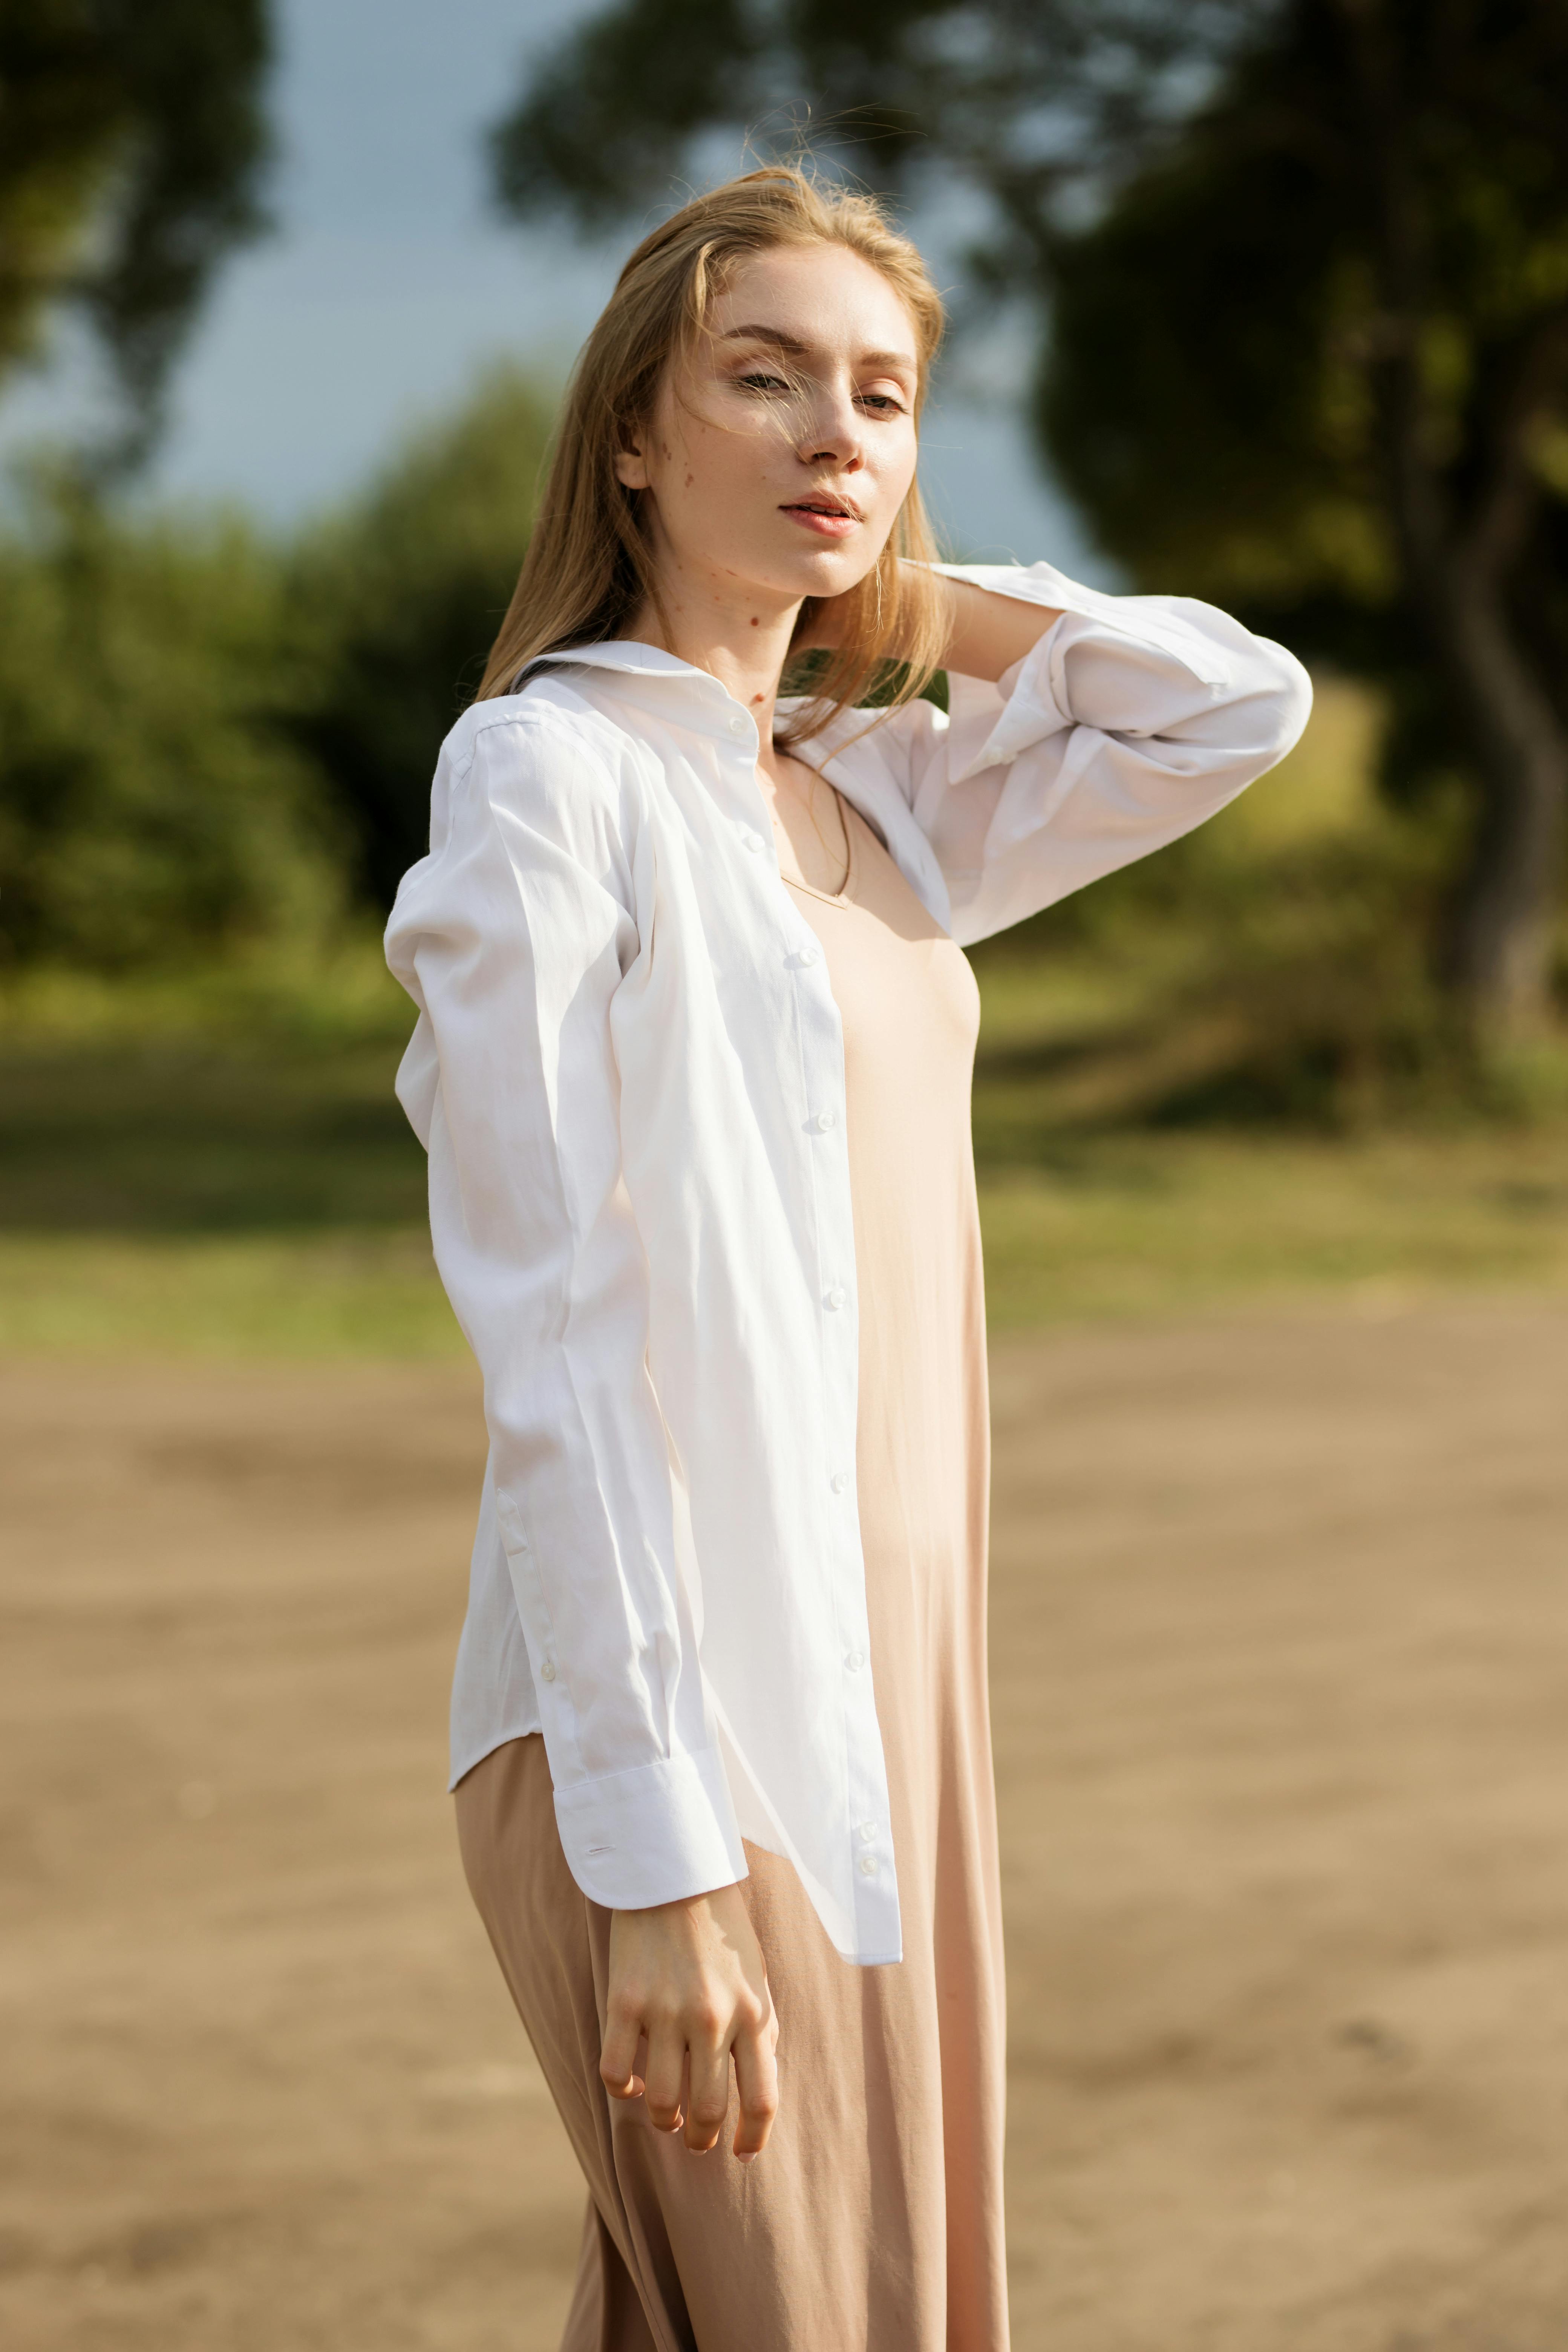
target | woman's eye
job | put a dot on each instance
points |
(763, 382)
(883, 402)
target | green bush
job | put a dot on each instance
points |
(208, 741)
(154, 805)
(402, 592)
(1270, 967)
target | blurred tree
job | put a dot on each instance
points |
(1305, 268)
(151, 805)
(131, 144)
(1315, 359)
(401, 596)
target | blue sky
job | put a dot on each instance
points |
(390, 281)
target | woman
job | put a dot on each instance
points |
(692, 1068)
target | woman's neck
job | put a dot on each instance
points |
(739, 640)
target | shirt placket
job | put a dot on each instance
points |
(865, 1827)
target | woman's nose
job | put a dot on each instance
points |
(832, 428)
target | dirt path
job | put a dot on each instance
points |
(1280, 1659)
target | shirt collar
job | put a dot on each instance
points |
(633, 657)
(709, 706)
(625, 654)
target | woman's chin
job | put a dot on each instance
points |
(831, 572)
(775, 576)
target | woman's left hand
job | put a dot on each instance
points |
(690, 1980)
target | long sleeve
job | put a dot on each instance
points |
(513, 937)
(1132, 720)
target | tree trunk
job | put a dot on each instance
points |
(1496, 957)
(1498, 953)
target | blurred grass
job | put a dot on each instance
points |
(360, 1293)
(1122, 1226)
(1183, 1225)
(215, 1163)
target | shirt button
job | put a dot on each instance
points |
(868, 1865)
(855, 1661)
(547, 1670)
(803, 958)
(755, 842)
(833, 1299)
(867, 1831)
(738, 725)
(839, 1482)
(823, 1122)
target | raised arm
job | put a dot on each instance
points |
(1083, 731)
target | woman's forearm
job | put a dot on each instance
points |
(987, 634)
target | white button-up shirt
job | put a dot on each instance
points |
(628, 1073)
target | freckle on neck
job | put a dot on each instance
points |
(755, 621)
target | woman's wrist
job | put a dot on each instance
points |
(984, 633)
(987, 632)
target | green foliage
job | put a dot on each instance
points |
(1308, 363)
(152, 806)
(133, 145)
(1266, 969)
(1199, 400)
(207, 742)
(1036, 100)
(402, 593)
(1214, 394)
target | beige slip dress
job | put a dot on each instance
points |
(872, 2221)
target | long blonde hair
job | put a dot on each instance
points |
(589, 567)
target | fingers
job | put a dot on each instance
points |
(617, 2059)
(665, 2074)
(689, 1996)
(757, 2081)
(709, 2099)
(685, 2077)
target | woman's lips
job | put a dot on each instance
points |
(826, 526)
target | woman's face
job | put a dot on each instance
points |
(779, 456)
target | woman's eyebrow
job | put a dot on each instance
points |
(792, 344)
(774, 335)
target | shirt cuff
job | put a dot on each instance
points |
(656, 1833)
(1167, 623)
(1031, 708)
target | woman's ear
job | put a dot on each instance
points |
(631, 468)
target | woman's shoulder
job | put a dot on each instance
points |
(540, 767)
(545, 728)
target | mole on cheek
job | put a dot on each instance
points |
(756, 622)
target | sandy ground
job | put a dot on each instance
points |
(1280, 1662)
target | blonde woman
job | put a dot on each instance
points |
(692, 1068)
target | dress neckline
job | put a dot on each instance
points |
(844, 897)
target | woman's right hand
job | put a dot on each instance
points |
(690, 1977)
